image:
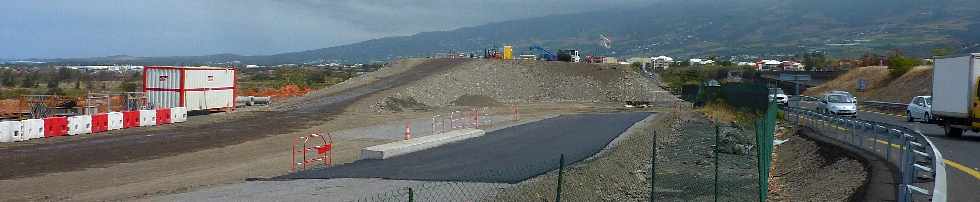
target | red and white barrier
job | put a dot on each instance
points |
(148, 118)
(14, 131)
(10, 131)
(32, 128)
(100, 123)
(55, 126)
(115, 120)
(131, 119)
(178, 114)
(78, 125)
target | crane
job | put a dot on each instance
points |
(544, 54)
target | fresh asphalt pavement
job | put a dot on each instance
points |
(508, 155)
(962, 154)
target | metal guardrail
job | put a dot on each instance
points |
(886, 105)
(918, 158)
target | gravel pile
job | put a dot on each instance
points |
(531, 82)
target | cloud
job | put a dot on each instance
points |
(66, 28)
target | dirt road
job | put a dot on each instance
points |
(141, 144)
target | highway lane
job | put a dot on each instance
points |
(962, 154)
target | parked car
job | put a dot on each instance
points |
(838, 104)
(777, 93)
(920, 109)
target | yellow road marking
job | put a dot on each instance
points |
(896, 146)
(950, 163)
(965, 169)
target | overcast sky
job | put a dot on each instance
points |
(89, 28)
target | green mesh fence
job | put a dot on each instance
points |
(764, 132)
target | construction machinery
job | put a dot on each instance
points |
(491, 53)
(569, 55)
(508, 53)
(544, 54)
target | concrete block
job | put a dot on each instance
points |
(393, 149)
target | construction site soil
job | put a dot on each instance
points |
(226, 148)
(806, 170)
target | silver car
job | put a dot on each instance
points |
(778, 95)
(838, 104)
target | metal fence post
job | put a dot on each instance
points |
(653, 167)
(561, 168)
(888, 147)
(411, 195)
(717, 131)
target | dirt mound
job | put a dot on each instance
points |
(528, 82)
(399, 104)
(917, 81)
(475, 100)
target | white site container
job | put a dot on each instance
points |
(115, 120)
(148, 117)
(178, 114)
(10, 132)
(196, 88)
(78, 125)
(32, 128)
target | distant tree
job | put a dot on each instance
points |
(725, 63)
(7, 78)
(29, 81)
(815, 60)
(899, 64)
(939, 52)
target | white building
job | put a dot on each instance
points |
(700, 62)
(769, 65)
(661, 62)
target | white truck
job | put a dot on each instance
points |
(955, 98)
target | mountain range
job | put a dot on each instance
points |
(679, 28)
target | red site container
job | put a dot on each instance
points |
(163, 116)
(100, 123)
(55, 126)
(131, 119)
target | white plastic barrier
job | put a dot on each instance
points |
(32, 128)
(78, 125)
(115, 120)
(148, 117)
(178, 114)
(10, 132)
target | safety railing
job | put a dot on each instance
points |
(916, 157)
(886, 106)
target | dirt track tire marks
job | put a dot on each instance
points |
(140, 144)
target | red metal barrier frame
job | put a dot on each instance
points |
(321, 152)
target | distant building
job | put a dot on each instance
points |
(791, 66)
(752, 64)
(610, 60)
(700, 62)
(768, 65)
(642, 61)
(661, 62)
